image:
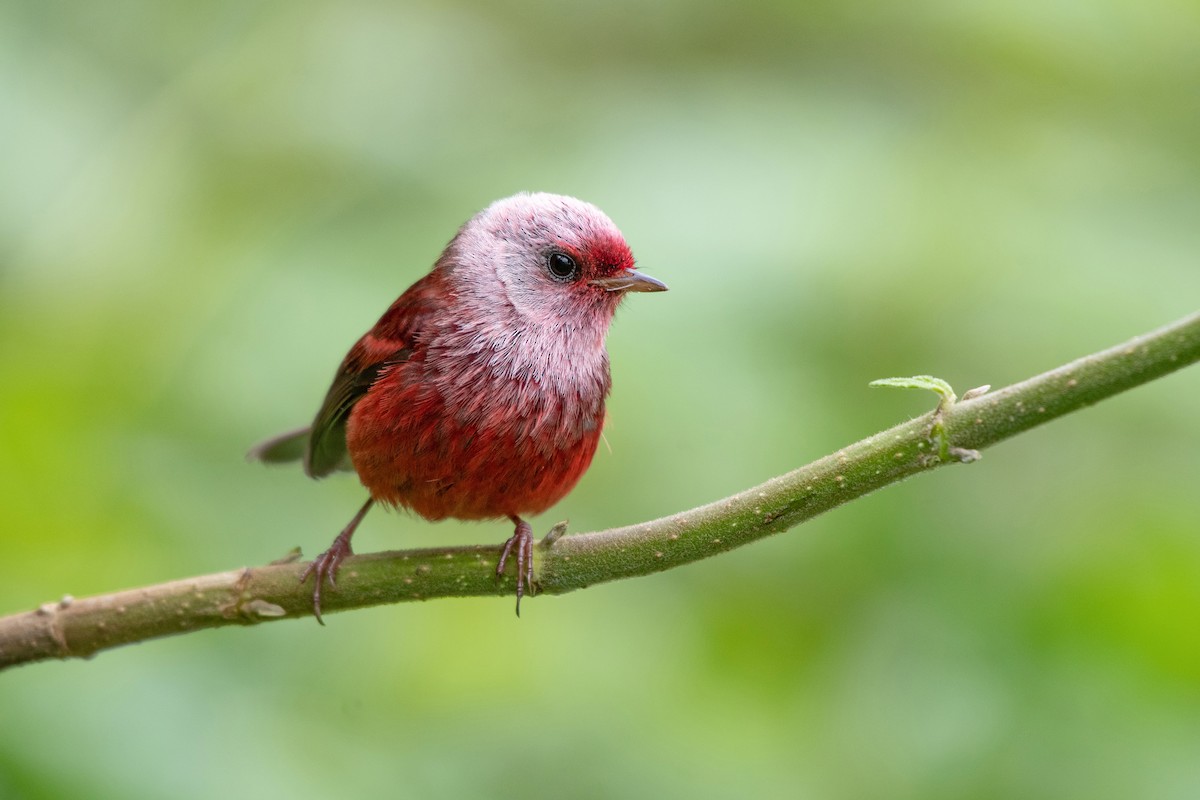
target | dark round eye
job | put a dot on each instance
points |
(562, 266)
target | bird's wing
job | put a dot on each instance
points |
(362, 365)
(392, 341)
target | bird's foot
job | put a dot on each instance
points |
(522, 541)
(325, 567)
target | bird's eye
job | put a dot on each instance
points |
(562, 267)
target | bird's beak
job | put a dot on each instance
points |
(628, 280)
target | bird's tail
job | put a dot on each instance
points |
(281, 449)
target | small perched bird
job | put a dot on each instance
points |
(480, 393)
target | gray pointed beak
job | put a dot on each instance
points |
(630, 280)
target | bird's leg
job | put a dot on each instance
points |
(326, 565)
(522, 539)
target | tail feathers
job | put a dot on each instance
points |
(281, 449)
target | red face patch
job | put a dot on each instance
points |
(609, 255)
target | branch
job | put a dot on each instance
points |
(952, 433)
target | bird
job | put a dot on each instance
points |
(480, 393)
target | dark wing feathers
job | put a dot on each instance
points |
(392, 341)
(327, 444)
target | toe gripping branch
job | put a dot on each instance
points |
(522, 542)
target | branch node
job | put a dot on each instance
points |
(257, 608)
(290, 557)
(964, 455)
(240, 605)
(52, 612)
(978, 391)
(936, 433)
(553, 535)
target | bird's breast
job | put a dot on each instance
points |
(481, 427)
(530, 385)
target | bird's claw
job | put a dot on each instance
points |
(325, 567)
(522, 540)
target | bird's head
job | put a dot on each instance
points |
(556, 260)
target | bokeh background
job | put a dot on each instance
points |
(202, 205)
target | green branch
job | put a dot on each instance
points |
(952, 433)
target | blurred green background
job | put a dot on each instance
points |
(202, 205)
